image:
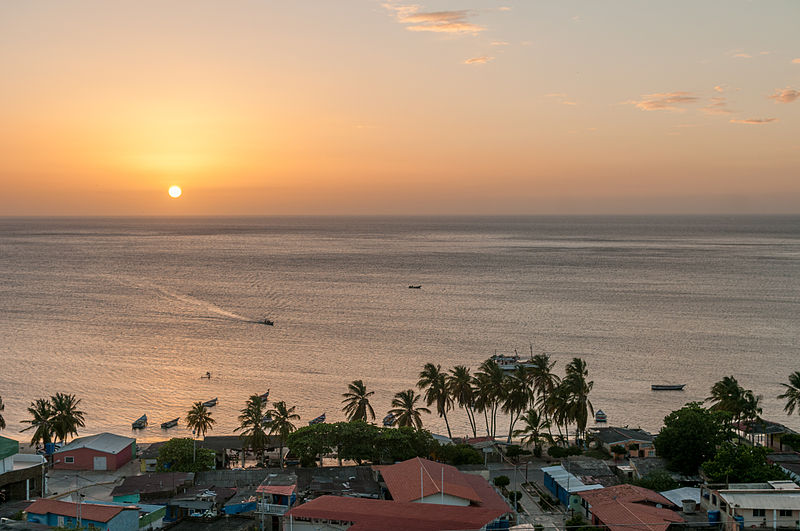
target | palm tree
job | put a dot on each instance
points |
(42, 422)
(251, 423)
(517, 395)
(459, 385)
(491, 392)
(580, 406)
(2, 420)
(544, 382)
(533, 426)
(356, 401)
(727, 395)
(281, 423)
(751, 411)
(199, 419)
(434, 381)
(558, 410)
(66, 417)
(406, 412)
(792, 393)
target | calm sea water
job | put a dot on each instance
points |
(129, 313)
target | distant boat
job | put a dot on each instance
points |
(210, 403)
(269, 322)
(318, 420)
(510, 363)
(265, 396)
(662, 387)
(389, 420)
(140, 423)
(206, 375)
(418, 286)
(600, 416)
(170, 424)
(266, 420)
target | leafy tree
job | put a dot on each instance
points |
(199, 419)
(741, 464)
(490, 392)
(544, 383)
(658, 481)
(67, 418)
(558, 452)
(434, 381)
(532, 432)
(459, 385)
(405, 443)
(181, 455)
(791, 440)
(251, 424)
(356, 401)
(2, 420)
(459, 454)
(578, 388)
(618, 450)
(281, 423)
(312, 442)
(690, 436)
(42, 422)
(517, 394)
(405, 410)
(502, 481)
(792, 393)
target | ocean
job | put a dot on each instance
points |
(129, 313)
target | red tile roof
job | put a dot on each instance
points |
(390, 515)
(89, 511)
(625, 508)
(282, 490)
(417, 478)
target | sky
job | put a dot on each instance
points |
(388, 107)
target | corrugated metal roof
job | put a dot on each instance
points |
(91, 511)
(8, 447)
(677, 496)
(779, 499)
(567, 481)
(102, 442)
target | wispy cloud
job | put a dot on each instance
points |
(719, 88)
(561, 98)
(500, 43)
(787, 95)
(478, 60)
(434, 21)
(754, 121)
(742, 56)
(664, 101)
(796, 61)
(718, 105)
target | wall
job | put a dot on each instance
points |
(294, 525)
(447, 499)
(84, 459)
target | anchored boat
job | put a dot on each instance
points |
(140, 423)
(210, 403)
(170, 423)
(667, 387)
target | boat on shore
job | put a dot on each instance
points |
(600, 416)
(210, 403)
(318, 420)
(170, 423)
(265, 396)
(389, 420)
(140, 423)
(266, 420)
(415, 286)
(510, 363)
(667, 387)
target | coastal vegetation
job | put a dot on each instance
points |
(2, 420)
(280, 423)
(356, 400)
(792, 394)
(54, 419)
(405, 411)
(251, 425)
(182, 455)
(739, 463)
(199, 419)
(690, 437)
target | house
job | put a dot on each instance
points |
(637, 443)
(764, 433)
(104, 451)
(421, 494)
(590, 470)
(92, 515)
(629, 508)
(789, 462)
(148, 459)
(774, 504)
(565, 487)
(151, 486)
(21, 475)
(150, 516)
(351, 481)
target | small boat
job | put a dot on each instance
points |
(318, 420)
(265, 396)
(389, 420)
(269, 322)
(417, 286)
(510, 363)
(207, 375)
(210, 403)
(266, 420)
(600, 416)
(170, 424)
(140, 423)
(663, 387)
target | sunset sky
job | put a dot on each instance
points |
(377, 107)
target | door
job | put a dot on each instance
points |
(100, 463)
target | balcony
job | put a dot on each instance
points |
(273, 509)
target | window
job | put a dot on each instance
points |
(69, 459)
(759, 512)
(723, 505)
(713, 500)
(785, 512)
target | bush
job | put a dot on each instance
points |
(558, 452)
(502, 481)
(515, 495)
(618, 449)
(514, 450)
(658, 481)
(459, 454)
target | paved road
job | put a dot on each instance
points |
(549, 520)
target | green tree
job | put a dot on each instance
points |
(741, 464)
(67, 418)
(792, 393)
(181, 455)
(405, 443)
(405, 409)
(690, 436)
(658, 481)
(517, 394)
(312, 442)
(356, 401)
(544, 383)
(199, 419)
(251, 424)
(578, 388)
(502, 481)
(2, 420)
(281, 424)
(459, 454)
(434, 381)
(618, 450)
(532, 431)
(459, 385)
(42, 422)
(490, 390)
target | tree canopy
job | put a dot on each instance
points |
(181, 455)
(741, 464)
(690, 436)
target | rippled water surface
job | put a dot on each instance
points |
(129, 313)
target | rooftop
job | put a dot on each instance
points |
(90, 511)
(276, 483)
(567, 481)
(630, 508)
(775, 499)
(153, 483)
(151, 452)
(8, 447)
(763, 427)
(341, 481)
(611, 435)
(676, 496)
(102, 442)
(417, 478)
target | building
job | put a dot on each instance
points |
(565, 487)
(789, 462)
(151, 486)
(421, 494)
(104, 451)
(764, 433)
(590, 470)
(150, 516)
(637, 443)
(21, 475)
(92, 515)
(775, 504)
(148, 459)
(629, 508)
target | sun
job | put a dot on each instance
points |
(175, 191)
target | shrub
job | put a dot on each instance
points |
(502, 481)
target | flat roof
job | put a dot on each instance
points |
(567, 481)
(102, 442)
(776, 499)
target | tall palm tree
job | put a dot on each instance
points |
(533, 426)
(356, 401)
(579, 388)
(251, 424)
(517, 395)
(727, 395)
(434, 380)
(199, 419)
(67, 418)
(42, 422)
(281, 424)
(459, 385)
(2, 420)
(558, 410)
(792, 393)
(544, 382)
(491, 391)
(405, 410)
(751, 411)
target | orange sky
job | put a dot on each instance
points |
(369, 107)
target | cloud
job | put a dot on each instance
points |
(561, 98)
(504, 8)
(718, 105)
(754, 121)
(787, 95)
(743, 55)
(719, 88)
(500, 43)
(664, 101)
(796, 61)
(478, 60)
(435, 21)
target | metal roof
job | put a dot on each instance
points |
(8, 447)
(102, 442)
(677, 496)
(567, 481)
(777, 499)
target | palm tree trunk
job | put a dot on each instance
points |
(486, 419)
(512, 420)
(471, 417)
(446, 423)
